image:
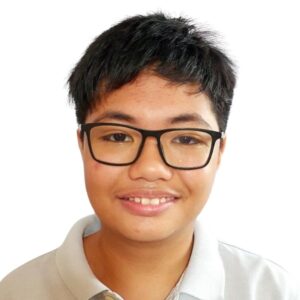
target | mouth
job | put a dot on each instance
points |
(147, 205)
(149, 201)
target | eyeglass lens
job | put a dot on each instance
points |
(120, 145)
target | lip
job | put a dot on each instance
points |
(148, 193)
(139, 209)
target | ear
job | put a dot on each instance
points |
(80, 141)
(222, 146)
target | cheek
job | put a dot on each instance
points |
(199, 184)
(95, 174)
(99, 181)
(199, 180)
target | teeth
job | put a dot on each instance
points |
(163, 200)
(145, 201)
(148, 201)
(154, 201)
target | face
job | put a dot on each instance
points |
(152, 103)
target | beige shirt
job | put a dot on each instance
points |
(215, 271)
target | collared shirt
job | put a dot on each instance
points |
(216, 271)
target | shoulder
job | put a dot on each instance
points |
(253, 274)
(37, 279)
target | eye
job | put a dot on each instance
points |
(186, 140)
(118, 137)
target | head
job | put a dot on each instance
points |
(151, 72)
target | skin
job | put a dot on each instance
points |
(132, 253)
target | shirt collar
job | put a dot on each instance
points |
(203, 279)
(205, 276)
(72, 263)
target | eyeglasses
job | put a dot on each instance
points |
(121, 145)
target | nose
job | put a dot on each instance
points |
(150, 166)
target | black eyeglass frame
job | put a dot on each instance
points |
(86, 128)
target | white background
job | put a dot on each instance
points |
(256, 199)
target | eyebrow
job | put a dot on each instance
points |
(182, 118)
(116, 115)
(189, 117)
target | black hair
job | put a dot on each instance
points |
(173, 48)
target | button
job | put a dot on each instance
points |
(106, 295)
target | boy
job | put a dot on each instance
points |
(152, 97)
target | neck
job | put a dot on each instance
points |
(123, 265)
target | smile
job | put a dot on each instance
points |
(150, 201)
(147, 203)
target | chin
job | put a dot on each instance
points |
(151, 230)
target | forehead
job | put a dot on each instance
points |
(150, 98)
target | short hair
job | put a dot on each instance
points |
(173, 48)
